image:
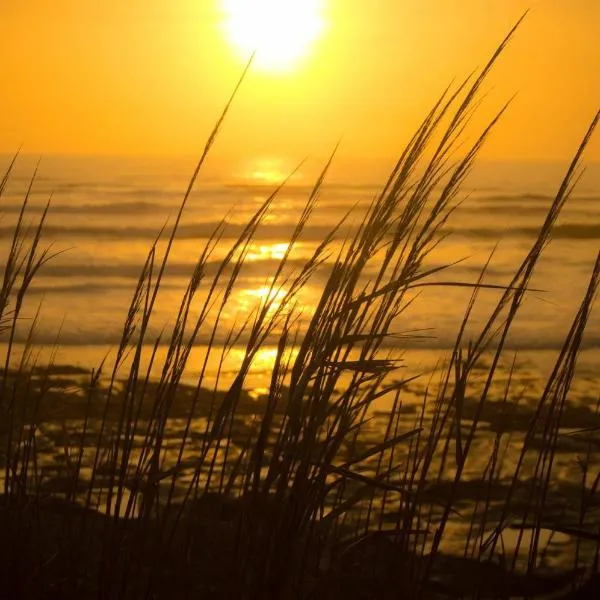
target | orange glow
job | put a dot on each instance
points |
(150, 78)
(267, 252)
(253, 297)
(266, 171)
(264, 359)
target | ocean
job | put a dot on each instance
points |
(106, 212)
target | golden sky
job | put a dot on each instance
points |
(150, 76)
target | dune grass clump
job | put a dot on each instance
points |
(282, 498)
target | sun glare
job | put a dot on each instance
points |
(265, 294)
(274, 251)
(280, 31)
(263, 361)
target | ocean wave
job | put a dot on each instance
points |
(306, 188)
(169, 193)
(144, 207)
(141, 201)
(567, 231)
(435, 340)
(132, 271)
(580, 205)
(524, 197)
(271, 232)
(107, 208)
(96, 274)
(174, 190)
(281, 232)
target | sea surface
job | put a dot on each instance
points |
(106, 212)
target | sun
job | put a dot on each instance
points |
(281, 32)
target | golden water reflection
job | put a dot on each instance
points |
(265, 170)
(274, 251)
(264, 360)
(250, 299)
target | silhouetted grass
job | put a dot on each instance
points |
(289, 497)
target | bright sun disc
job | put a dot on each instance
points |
(280, 31)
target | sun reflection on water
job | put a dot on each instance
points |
(264, 360)
(267, 170)
(274, 251)
(252, 298)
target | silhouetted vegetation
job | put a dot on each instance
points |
(161, 489)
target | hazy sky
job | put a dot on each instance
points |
(150, 76)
